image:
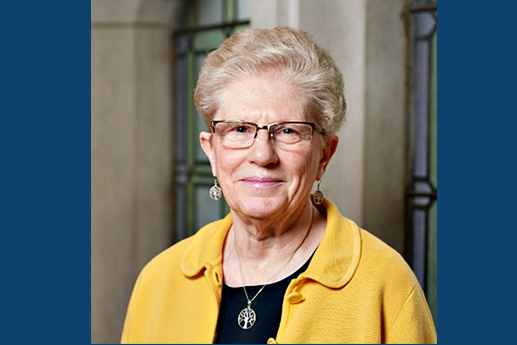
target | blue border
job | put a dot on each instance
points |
(45, 170)
(45, 206)
(476, 144)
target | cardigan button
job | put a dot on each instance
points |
(295, 297)
(271, 341)
(217, 278)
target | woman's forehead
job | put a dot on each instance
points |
(257, 98)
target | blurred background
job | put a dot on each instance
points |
(150, 179)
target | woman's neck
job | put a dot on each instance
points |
(255, 250)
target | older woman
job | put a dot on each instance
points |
(283, 266)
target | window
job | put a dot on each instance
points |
(421, 194)
(204, 25)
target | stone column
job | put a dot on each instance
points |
(131, 152)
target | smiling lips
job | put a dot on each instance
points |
(261, 182)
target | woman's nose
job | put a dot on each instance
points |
(263, 151)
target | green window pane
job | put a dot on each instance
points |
(208, 40)
(180, 221)
(199, 124)
(202, 174)
(200, 127)
(243, 9)
(209, 12)
(198, 62)
(206, 209)
(239, 28)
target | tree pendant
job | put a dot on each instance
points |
(247, 318)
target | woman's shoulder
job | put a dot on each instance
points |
(377, 256)
(372, 243)
(169, 260)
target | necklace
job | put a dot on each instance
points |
(247, 317)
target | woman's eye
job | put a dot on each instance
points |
(241, 129)
(287, 131)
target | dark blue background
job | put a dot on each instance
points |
(476, 150)
(45, 206)
(45, 171)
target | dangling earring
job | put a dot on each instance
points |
(318, 195)
(215, 191)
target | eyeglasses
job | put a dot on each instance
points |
(235, 134)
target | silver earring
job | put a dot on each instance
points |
(215, 191)
(318, 195)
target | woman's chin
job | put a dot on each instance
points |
(261, 207)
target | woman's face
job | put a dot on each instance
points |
(266, 179)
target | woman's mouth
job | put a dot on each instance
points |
(262, 182)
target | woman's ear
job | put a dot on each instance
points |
(205, 139)
(329, 148)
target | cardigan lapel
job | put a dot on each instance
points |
(330, 267)
(206, 247)
(337, 257)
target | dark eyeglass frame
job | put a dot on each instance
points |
(268, 127)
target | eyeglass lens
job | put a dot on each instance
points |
(242, 134)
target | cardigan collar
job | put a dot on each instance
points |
(333, 264)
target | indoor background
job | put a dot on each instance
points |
(149, 179)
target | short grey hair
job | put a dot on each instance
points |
(293, 54)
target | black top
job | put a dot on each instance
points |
(267, 306)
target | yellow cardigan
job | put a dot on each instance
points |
(356, 290)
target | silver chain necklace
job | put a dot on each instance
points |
(247, 317)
